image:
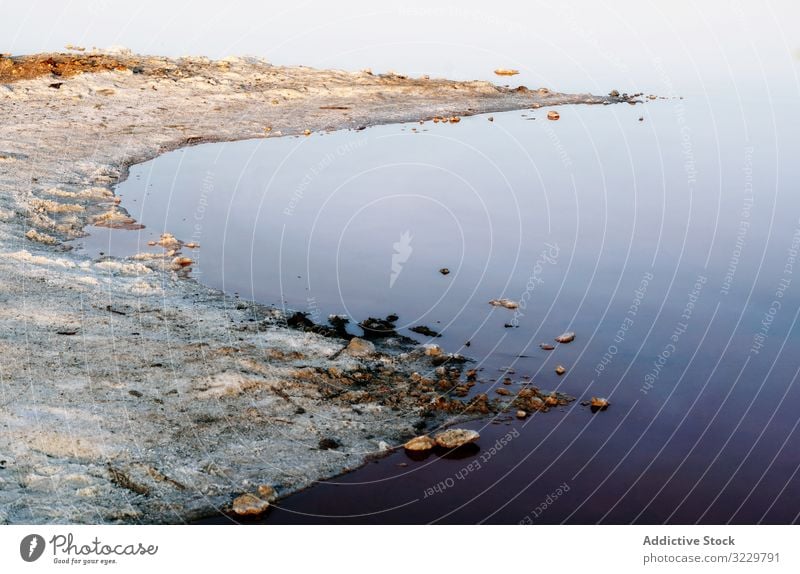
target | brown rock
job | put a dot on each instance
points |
(168, 241)
(553, 115)
(503, 391)
(266, 492)
(567, 337)
(358, 347)
(420, 443)
(560, 370)
(249, 505)
(521, 414)
(433, 350)
(454, 438)
(507, 303)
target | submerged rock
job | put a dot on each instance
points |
(423, 330)
(454, 438)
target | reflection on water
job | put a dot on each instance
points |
(664, 234)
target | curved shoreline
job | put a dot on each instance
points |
(130, 394)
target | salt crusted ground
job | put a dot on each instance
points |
(129, 393)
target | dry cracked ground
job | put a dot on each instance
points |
(128, 391)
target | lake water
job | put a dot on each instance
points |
(665, 235)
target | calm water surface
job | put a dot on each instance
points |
(667, 244)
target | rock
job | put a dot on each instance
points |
(546, 346)
(423, 330)
(444, 271)
(249, 505)
(614, 93)
(454, 438)
(420, 443)
(521, 414)
(502, 391)
(551, 400)
(379, 328)
(553, 115)
(433, 351)
(560, 370)
(266, 492)
(599, 403)
(567, 337)
(329, 444)
(507, 303)
(506, 72)
(168, 241)
(358, 347)
(339, 324)
(384, 446)
(490, 118)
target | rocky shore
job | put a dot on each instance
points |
(131, 393)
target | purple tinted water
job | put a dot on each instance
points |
(668, 245)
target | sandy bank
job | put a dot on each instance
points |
(131, 394)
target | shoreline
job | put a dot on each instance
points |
(131, 393)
